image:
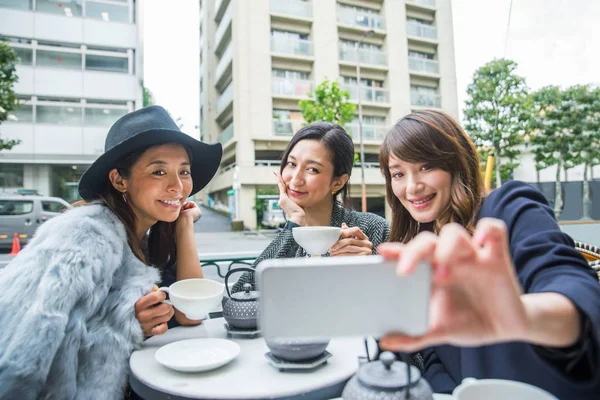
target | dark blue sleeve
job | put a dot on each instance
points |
(545, 258)
(436, 373)
(169, 277)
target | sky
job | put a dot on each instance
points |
(553, 42)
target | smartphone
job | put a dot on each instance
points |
(341, 296)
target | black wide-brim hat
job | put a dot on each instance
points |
(139, 130)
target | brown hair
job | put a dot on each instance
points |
(436, 138)
(160, 249)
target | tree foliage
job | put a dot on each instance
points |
(148, 97)
(8, 98)
(497, 113)
(328, 103)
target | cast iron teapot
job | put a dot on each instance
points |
(387, 378)
(240, 309)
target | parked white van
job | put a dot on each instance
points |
(273, 216)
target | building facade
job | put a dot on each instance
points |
(258, 58)
(80, 69)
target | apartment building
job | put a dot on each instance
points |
(258, 58)
(80, 69)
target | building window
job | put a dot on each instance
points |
(286, 122)
(290, 74)
(60, 112)
(18, 4)
(58, 59)
(11, 176)
(24, 111)
(95, 62)
(103, 114)
(108, 12)
(351, 80)
(288, 35)
(65, 8)
(351, 44)
(418, 54)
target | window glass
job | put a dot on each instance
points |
(58, 59)
(15, 207)
(11, 175)
(23, 112)
(102, 116)
(52, 206)
(68, 8)
(59, 114)
(107, 12)
(25, 55)
(18, 4)
(105, 63)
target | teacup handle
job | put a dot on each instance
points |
(166, 290)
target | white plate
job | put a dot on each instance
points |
(194, 355)
(436, 396)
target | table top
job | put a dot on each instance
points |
(249, 376)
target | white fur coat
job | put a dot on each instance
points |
(67, 319)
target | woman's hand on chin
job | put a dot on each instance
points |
(475, 295)
(294, 212)
(353, 242)
(190, 213)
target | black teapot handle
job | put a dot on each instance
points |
(404, 357)
(234, 271)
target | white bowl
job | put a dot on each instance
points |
(498, 389)
(316, 240)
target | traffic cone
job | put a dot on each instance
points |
(16, 246)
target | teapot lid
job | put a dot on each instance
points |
(246, 295)
(387, 373)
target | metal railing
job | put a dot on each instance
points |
(282, 127)
(292, 7)
(291, 87)
(425, 100)
(368, 93)
(423, 65)
(215, 261)
(369, 132)
(226, 135)
(299, 47)
(421, 30)
(224, 62)
(225, 98)
(365, 56)
(227, 168)
(353, 17)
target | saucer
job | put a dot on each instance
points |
(193, 355)
(283, 365)
(242, 333)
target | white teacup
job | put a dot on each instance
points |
(498, 389)
(316, 240)
(195, 297)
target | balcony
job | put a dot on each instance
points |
(369, 94)
(294, 8)
(224, 62)
(362, 20)
(286, 127)
(291, 87)
(226, 135)
(371, 57)
(369, 132)
(297, 47)
(426, 3)
(225, 99)
(421, 30)
(220, 6)
(223, 26)
(425, 100)
(423, 65)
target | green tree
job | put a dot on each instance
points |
(497, 113)
(148, 97)
(557, 138)
(8, 99)
(329, 103)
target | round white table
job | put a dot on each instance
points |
(249, 376)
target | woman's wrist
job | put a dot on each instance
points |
(299, 220)
(184, 226)
(552, 320)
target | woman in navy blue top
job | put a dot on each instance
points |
(511, 297)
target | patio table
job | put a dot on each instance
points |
(249, 376)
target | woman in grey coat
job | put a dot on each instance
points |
(70, 307)
(313, 191)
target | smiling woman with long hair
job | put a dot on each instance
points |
(511, 298)
(313, 191)
(77, 299)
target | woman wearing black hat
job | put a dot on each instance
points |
(70, 299)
